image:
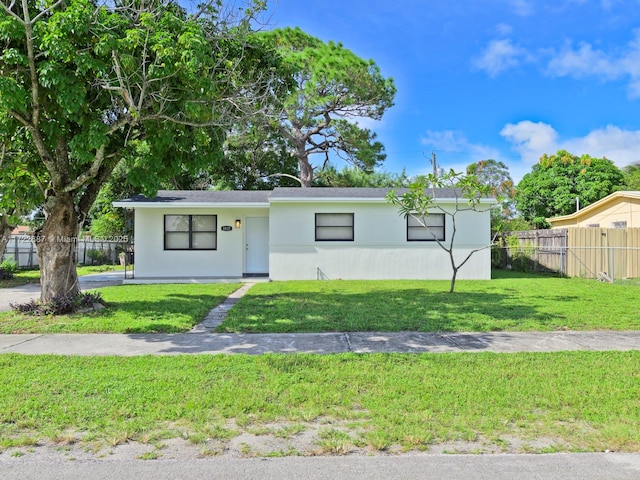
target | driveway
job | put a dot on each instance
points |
(25, 293)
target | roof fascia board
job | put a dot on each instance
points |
(595, 205)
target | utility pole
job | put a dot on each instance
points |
(435, 165)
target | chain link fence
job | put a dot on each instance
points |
(22, 250)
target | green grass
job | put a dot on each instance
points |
(575, 401)
(164, 308)
(24, 277)
(511, 302)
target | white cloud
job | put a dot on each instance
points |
(532, 140)
(523, 8)
(504, 30)
(500, 55)
(586, 61)
(579, 61)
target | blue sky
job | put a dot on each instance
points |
(503, 79)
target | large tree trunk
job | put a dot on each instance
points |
(57, 242)
(306, 172)
(5, 234)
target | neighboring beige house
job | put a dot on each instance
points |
(618, 210)
(300, 234)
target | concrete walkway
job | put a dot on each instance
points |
(217, 315)
(358, 342)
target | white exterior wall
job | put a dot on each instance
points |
(151, 260)
(380, 249)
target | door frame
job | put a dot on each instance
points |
(264, 227)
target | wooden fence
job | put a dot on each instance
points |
(575, 252)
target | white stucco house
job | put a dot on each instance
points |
(299, 234)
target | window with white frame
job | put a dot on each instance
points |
(428, 228)
(622, 224)
(331, 227)
(190, 232)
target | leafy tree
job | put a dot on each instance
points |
(553, 185)
(496, 175)
(18, 190)
(256, 158)
(332, 89)
(470, 195)
(632, 176)
(355, 177)
(89, 85)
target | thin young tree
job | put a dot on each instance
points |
(470, 195)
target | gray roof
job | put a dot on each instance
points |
(330, 192)
(279, 193)
(203, 196)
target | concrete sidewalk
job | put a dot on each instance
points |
(357, 342)
(201, 339)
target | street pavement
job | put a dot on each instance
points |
(583, 466)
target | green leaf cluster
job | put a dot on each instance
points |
(330, 89)
(554, 184)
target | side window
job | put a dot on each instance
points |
(190, 232)
(425, 229)
(332, 227)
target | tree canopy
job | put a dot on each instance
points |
(632, 176)
(554, 183)
(86, 85)
(496, 176)
(355, 177)
(331, 89)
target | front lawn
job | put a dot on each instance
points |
(163, 308)
(511, 302)
(486, 402)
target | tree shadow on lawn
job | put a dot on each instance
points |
(174, 313)
(389, 310)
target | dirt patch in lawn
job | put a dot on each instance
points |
(269, 440)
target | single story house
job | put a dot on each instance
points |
(300, 234)
(617, 210)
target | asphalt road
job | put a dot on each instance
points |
(584, 466)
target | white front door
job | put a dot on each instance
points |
(257, 245)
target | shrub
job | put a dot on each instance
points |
(107, 225)
(97, 256)
(59, 305)
(9, 266)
